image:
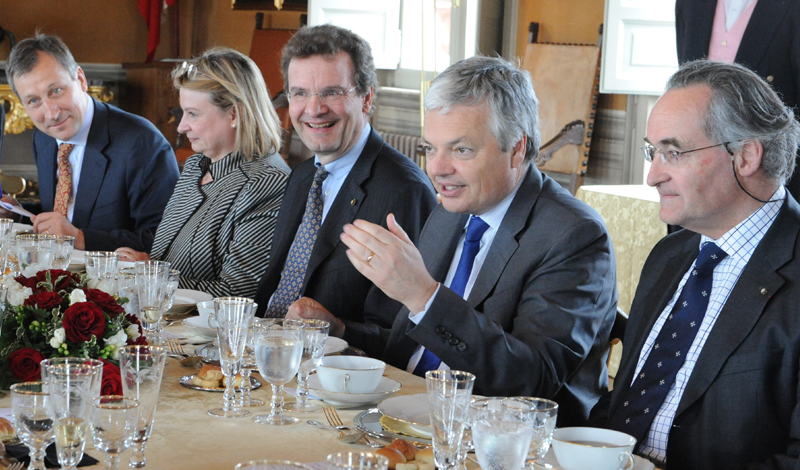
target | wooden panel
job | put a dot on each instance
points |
(265, 51)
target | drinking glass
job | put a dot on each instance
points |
(249, 362)
(34, 253)
(151, 283)
(29, 405)
(279, 349)
(449, 394)
(316, 336)
(72, 387)
(501, 432)
(126, 287)
(233, 316)
(142, 368)
(542, 414)
(114, 421)
(271, 465)
(64, 244)
(101, 267)
(6, 225)
(357, 461)
(173, 279)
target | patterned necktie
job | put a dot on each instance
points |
(472, 244)
(294, 270)
(64, 187)
(641, 403)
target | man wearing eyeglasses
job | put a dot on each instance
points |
(329, 78)
(710, 369)
(105, 175)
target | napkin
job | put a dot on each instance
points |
(20, 452)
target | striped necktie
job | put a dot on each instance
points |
(294, 270)
(64, 186)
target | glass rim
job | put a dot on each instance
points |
(34, 236)
(13, 388)
(71, 360)
(351, 454)
(102, 254)
(139, 347)
(233, 300)
(98, 402)
(315, 324)
(242, 465)
(456, 376)
(550, 404)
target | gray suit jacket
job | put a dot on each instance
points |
(537, 320)
(740, 406)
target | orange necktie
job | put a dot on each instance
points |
(64, 186)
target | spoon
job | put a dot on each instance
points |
(345, 438)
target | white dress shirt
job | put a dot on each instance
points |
(734, 8)
(739, 243)
(338, 171)
(76, 155)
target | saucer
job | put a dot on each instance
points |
(386, 388)
(186, 381)
(411, 409)
(186, 300)
(549, 462)
(335, 345)
(199, 326)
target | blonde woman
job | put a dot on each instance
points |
(218, 225)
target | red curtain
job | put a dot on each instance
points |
(151, 11)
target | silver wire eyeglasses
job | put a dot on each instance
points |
(189, 71)
(670, 157)
(327, 96)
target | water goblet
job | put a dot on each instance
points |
(29, 405)
(316, 336)
(449, 394)
(270, 465)
(357, 461)
(126, 287)
(278, 350)
(34, 253)
(501, 432)
(142, 368)
(101, 267)
(114, 421)
(542, 414)
(64, 244)
(151, 282)
(72, 388)
(233, 316)
(249, 362)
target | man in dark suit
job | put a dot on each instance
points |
(105, 175)
(526, 300)
(770, 45)
(329, 77)
(709, 372)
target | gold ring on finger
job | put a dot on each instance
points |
(369, 258)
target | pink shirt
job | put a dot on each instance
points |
(725, 42)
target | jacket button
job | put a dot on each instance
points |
(454, 341)
(440, 329)
(461, 346)
(353, 202)
(446, 335)
(770, 78)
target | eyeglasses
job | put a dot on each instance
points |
(189, 71)
(327, 96)
(670, 157)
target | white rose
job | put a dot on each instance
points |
(58, 338)
(117, 341)
(132, 331)
(78, 295)
(18, 294)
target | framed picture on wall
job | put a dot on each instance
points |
(288, 5)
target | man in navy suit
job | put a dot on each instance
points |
(117, 171)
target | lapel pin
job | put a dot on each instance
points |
(764, 291)
(353, 202)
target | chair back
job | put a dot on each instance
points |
(615, 352)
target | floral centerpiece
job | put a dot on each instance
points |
(55, 314)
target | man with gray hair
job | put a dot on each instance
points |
(514, 279)
(105, 175)
(709, 373)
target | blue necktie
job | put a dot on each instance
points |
(472, 244)
(294, 271)
(641, 403)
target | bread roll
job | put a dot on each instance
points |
(425, 455)
(205, 383)
(209, 372)
(6, 430)
(406, 466)
(405, 448)
(394, 456)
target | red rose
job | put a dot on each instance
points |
(45, 300)
(112, 379)
(41, 276)
(82, 320)
(24, 364)
(27, 281)
(140, 341)
(106, 302)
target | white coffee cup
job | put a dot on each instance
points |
(599, 449)
(206, 311)
(350, 374)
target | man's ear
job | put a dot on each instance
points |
(518, 152)
(748, 160)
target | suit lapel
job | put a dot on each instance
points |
(698, 25)
(445, 230)
(291, 216)
(93, 168)
(47, 169)
(763, 25)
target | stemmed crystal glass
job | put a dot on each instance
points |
(62, 253)
(449, 395)
(35, 252)
(279, 349)
(316, 337)
(114, 422)
(29, 405)
(101, 268)
(126, 287)
(142, 368)
(72, 387)
(501, 432)
(233, 316)
(6, 225)
(249, 362)
(151, 282)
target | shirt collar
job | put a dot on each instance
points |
(342, 165)
(83, 134)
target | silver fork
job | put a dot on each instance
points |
(334, 420)
(175, 348)
(15, 466)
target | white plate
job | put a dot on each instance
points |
(189, 296)
(386, 388)
(186, 381)
(335, 345)
(21, 227)
(199, 326)
(412, 409)
(549, 462)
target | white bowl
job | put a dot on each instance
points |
(350, 374)
(599, 449)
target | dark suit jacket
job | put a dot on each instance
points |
(740, 406)
(537, 320)
(382, 181)
(128, 173)
(770, 46)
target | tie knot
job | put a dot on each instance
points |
(475, 229)
(63, 150)
(709, 257)
(320, 175)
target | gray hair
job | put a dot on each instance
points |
(25, 55)
(328, 40)
(504, 86)
(744, 107)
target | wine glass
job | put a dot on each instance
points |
(233, 316)
(62, 253)
(279, 349)
(449, 394)
(34, 252)
(316, 336)
(501, 432)
(101, 268)
(249, 362)
(126, 287)
(29, 405)
(114, 422)
(6, 225)
(151, 283)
